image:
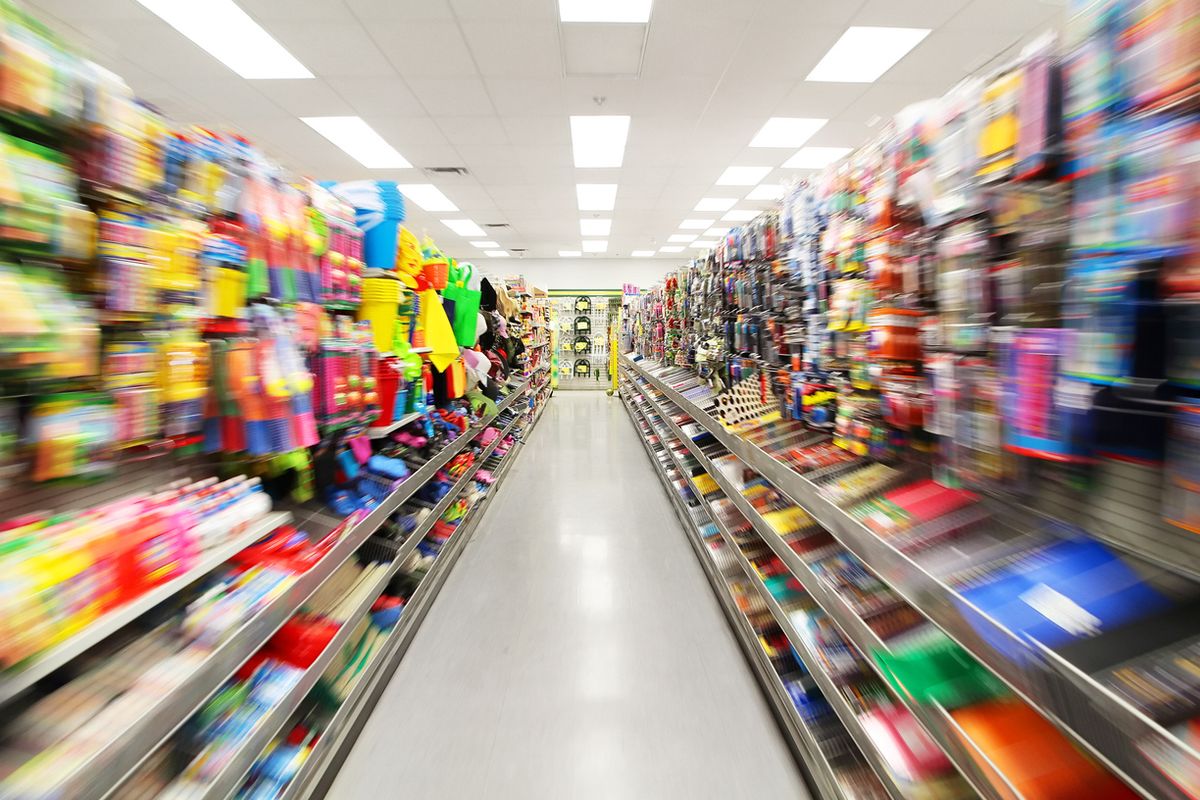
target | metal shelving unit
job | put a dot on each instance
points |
(386, 430)
(99, 775)
(338, 737)
(800, 738)
(1090, 714)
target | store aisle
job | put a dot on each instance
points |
(577, 650)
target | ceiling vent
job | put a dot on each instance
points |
(447, 170)
(496, 225)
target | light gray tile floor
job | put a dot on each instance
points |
(576, 650)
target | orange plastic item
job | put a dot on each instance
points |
(1032, 755)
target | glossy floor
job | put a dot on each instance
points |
(576, 650)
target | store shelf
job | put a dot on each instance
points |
(13, 683)
(852, 627)
(1085, 710)
(800, 738)
(387, 430)
(339, 735)
(233, 775)
(113, 763)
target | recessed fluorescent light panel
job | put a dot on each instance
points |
(705, 244)
(642, 253)
(787, 131)
(682, 237)
(595, 245)
(716, 231)
(463, 227)
(716, 204)
(595, 227)
(742, 176)
(740, 215)
(485, 245)
(596, 196)
(695, 224)
(359, 140)
(599, 141)
(815, 157)
(427, 196)
(604, 10)
(767, 191)
(229, 35)
(496, 253)
(569, 253)
(864, 54)
(674, 248)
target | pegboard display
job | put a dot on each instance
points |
(583, 322)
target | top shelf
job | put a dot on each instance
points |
(1063, 692)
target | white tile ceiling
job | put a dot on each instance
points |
(489, 86)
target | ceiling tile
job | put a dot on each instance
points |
(306, 98)
(74, 11)
(1018, 16)
(370, 96)
(946, 56)
(779, 51)
(823, 100)
(332, 49)
(602, 50)
(404, 11)
(553, 155)
(452, 96)
(425, 155)
(473, 130)
(884, 100)
(618, 95)
(270, 11)
(796, 14)
(233, 96)
(512, 49)
(528, 96)
(690, 48)
(535, 131)
(407, 131)
(425, 49)
(910, 13)
(675, 96)
(490, 10)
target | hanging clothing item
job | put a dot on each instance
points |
(439, 335)
(487, 295)
(504, 303)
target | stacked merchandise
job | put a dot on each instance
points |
(948, 383)
(176, 305)
(584, 322)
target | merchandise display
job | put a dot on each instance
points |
(893, 378)
(201, 348)
(919, 383)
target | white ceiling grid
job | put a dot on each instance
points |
(489, 86)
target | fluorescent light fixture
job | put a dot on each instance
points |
(716, 204)
(742, 176)
(485, 245)
(705, 244)
(229, 35)
(767, 191)
(682, 237)
(595, 227)
(787, 131)
(427, 196)
(717, 231)
(604, 10)
(864, 54)
(595, 245)
(674, 248)
(496, 253)
(463, 227)
(695, 224)
(642, 253)
(359, 140)
(569, 253)
(740, 215)
(815, 157)
(599, 141)
(596, 196)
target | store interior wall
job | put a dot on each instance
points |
(586, 273)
